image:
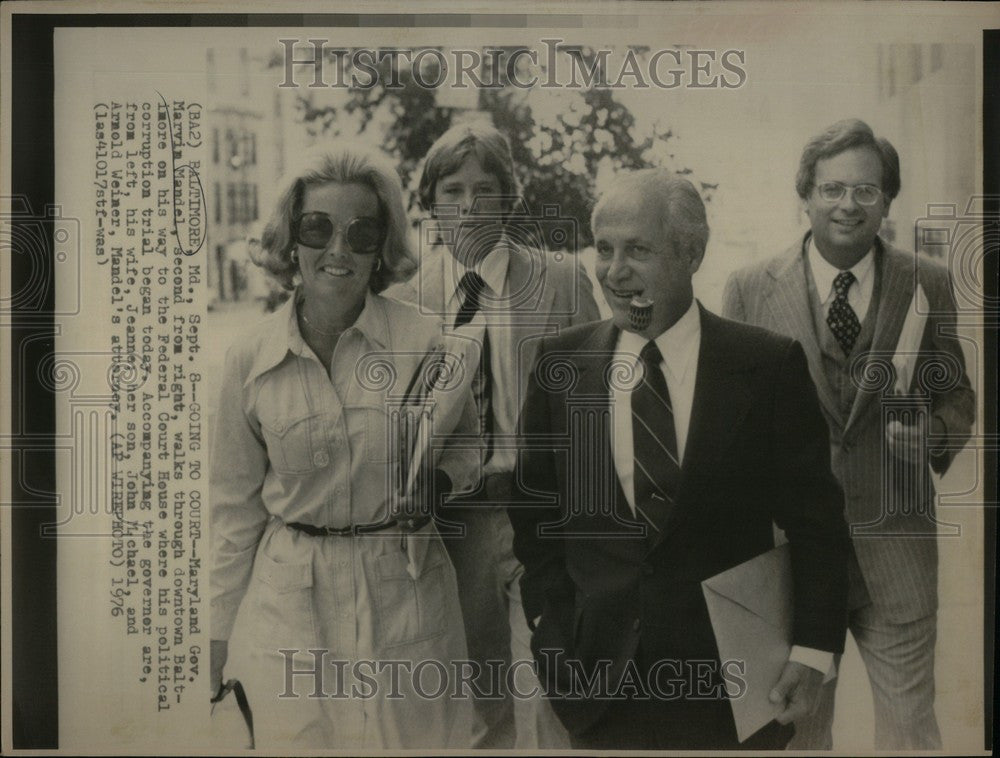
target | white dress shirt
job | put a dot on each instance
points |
(859, 296)
(494, 317)
(679, 346)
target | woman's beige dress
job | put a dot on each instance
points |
(344, 648)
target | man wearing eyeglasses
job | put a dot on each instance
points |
(845, 294)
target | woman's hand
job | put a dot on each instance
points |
(218, 653)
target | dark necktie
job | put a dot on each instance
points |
(841, 318)
(473, 285)
(654, 442)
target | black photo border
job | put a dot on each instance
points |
(34, 654)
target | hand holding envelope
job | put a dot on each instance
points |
(797, 690)
(750, 606)
(908, 441)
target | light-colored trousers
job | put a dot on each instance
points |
(490, 592)
(899, 658)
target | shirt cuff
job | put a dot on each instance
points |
(821, 660)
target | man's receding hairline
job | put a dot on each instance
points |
(615, 192)
(658, 208)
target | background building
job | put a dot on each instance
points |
(247, 155)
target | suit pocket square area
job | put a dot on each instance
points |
(750, 607)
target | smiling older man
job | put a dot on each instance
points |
(643, 489)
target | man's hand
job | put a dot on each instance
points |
(410, 509)
(217, 655)
(908, 442)
(798, 689)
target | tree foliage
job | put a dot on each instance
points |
(560, 140)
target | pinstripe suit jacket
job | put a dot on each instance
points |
(889, 504)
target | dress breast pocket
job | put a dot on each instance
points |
(283, 616)
(375, 433)
(295, 446)
(408, 610)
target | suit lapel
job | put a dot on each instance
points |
(789, 304)
(531, 297)
(430, 283)
(593, 360)
(528, 289)
(895, 293)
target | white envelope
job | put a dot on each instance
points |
(436, 408)
(750, 607)
(904, 359)
(432, 407)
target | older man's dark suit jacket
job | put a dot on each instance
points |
(756, 452)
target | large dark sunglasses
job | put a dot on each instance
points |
(364, 234)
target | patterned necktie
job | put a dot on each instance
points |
(841, 318)
(654, 441)
(473, 285)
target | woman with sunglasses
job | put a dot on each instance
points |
(305, 550)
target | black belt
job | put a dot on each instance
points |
(352, 529)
